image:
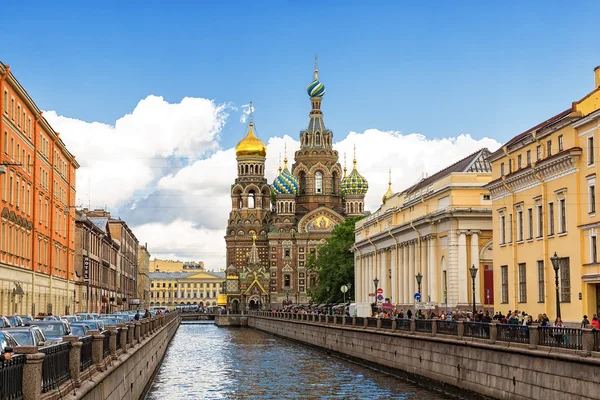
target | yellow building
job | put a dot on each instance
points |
(157, 265)
(143, 280)
(439, 228)
(544, 201)
(183, 289)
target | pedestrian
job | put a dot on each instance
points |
(585, 321)
(409, 314)
(147, 314)
(558, 323)
(595, 322)
(514, 319)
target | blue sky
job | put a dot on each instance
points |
(437, 68)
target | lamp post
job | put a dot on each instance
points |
(473, 271)
(349, 293)
(419, 278)
(556, 265)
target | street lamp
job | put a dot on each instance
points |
(473, 271)
(419, 277)
(349, 293)
(556, 265)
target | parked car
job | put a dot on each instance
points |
(26, 319)
(93, 324)
(111, 321)
(51, 318)
(53, 330)
(4, 322)
(7, 342)
(79, 329)
(28, 336)
(71, 318)
(15, 321)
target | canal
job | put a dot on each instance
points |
(207, 362)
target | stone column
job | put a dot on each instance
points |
(494, 331)
(405, 271)
(434, 326)
(433, 270)
(74, 358)
(123, 337)
(475, 261)
(137, 332)
(424, 271)
(587, 336)
(411, 271)
(534, 337)
(394, 298)
(112, 343)
(462, 270)
(32, 371)
(97, 349)
(461, 329)
(130, 331)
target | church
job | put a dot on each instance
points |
(274, 228)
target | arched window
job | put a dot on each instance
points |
(252, 169)
(302, 183)
(318, 182)
(318, 139)
(335, 184)
(251, 202)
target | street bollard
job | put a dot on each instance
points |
(534, 335)
(32, 371)
(97, 349)
(112, 342)
(74, 358)
(413, 325)
(123, 337)
(461, 329)
(587, 336)
(434, 326)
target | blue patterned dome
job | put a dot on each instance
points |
(316, 88)
(355, 183)
(285, 183)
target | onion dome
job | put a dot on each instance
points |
(355, 183)
(285, 183)
(251, 145)
(316, 88)
(389, 192)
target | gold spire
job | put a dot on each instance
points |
(251, 145)
(345, 169)
(389, 192)
(280, 163)
(285, 155)
(354, 161)
(316, 67)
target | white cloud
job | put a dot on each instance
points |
(247, 110)
(118, 160)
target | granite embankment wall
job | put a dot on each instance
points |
(499, 370)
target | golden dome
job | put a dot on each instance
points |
(389, 192)
(251, 145)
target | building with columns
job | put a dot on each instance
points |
(187, 288)
(438, 228)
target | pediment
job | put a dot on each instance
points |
(322, 219)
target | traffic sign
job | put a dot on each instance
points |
(344, 288)
(371, 294)
(380, 291)
(417, 296)
(380, 297)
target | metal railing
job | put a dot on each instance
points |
(445, 327)
(403, 324)
(386, 323)
(513, 333)
(106, 344)
(85, 359)
(477, 330)
(360, 321)
(372, 322)
(55, 367)
(568, 338)
(118, 333)
(423, 325)
(11, 378)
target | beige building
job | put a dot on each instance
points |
(157, 265)
(185, 288)
(143, 282)
(437, 228)
(544, 201)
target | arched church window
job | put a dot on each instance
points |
(318, 182)
(335, 184)
(252, 169)
(251, 202)
(318, 139)
(287, 252)
(302, 183)
(287, 281)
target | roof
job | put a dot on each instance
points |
(99, 222)
(476, 163)
(182, 275)
(539, 126)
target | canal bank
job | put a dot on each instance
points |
(467, 364)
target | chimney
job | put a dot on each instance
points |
(597, 77)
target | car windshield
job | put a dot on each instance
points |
(26, 319)
(70, 318)
(77, 330)
(53, 330)
(12, 320)
(3, 323)
(92, 324)
(23, 338)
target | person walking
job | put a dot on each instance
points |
(585, 321)
(147, 314)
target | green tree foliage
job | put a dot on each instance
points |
(334, 264)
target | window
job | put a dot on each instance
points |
(502, 169)
(502, 229)
(538, 153)
(522, 283)
(5, 142)
(563, 215)
(510, 165)
(549, 148)
(565, 280)
(287, 252)
(519, 161)
(530, 222)
(541, 287)
(504, 276)
(302, 183)
(5, 102)
(510, 228)
(590, 150)
(318, 182)
(528, 157)
(593, 249)
(560, 143)
(540, 217)
(550, 219)
(287, 281)
(520, 225)
(251, 199)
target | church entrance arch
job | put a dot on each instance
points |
(254, 303)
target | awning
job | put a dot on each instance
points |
(387, 305)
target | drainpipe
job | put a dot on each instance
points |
(544, 241)
(396, 263)
(513, 236)
(33, 214)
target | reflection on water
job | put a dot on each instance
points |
(207, 362)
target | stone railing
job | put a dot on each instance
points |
(51, 372)
(585, 341)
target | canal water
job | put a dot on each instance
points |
(207, 362)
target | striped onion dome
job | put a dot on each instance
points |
(285, 183)
(316, 88)
(355, 183)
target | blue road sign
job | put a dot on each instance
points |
(380, 297)
(417, 296)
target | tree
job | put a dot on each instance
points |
(334, 264)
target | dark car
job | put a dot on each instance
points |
(15, 321)
(53, 330)
(95, 324)
(7, 342)
(28, 336)
(79, 330)
(4, 322)
(26, 318)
